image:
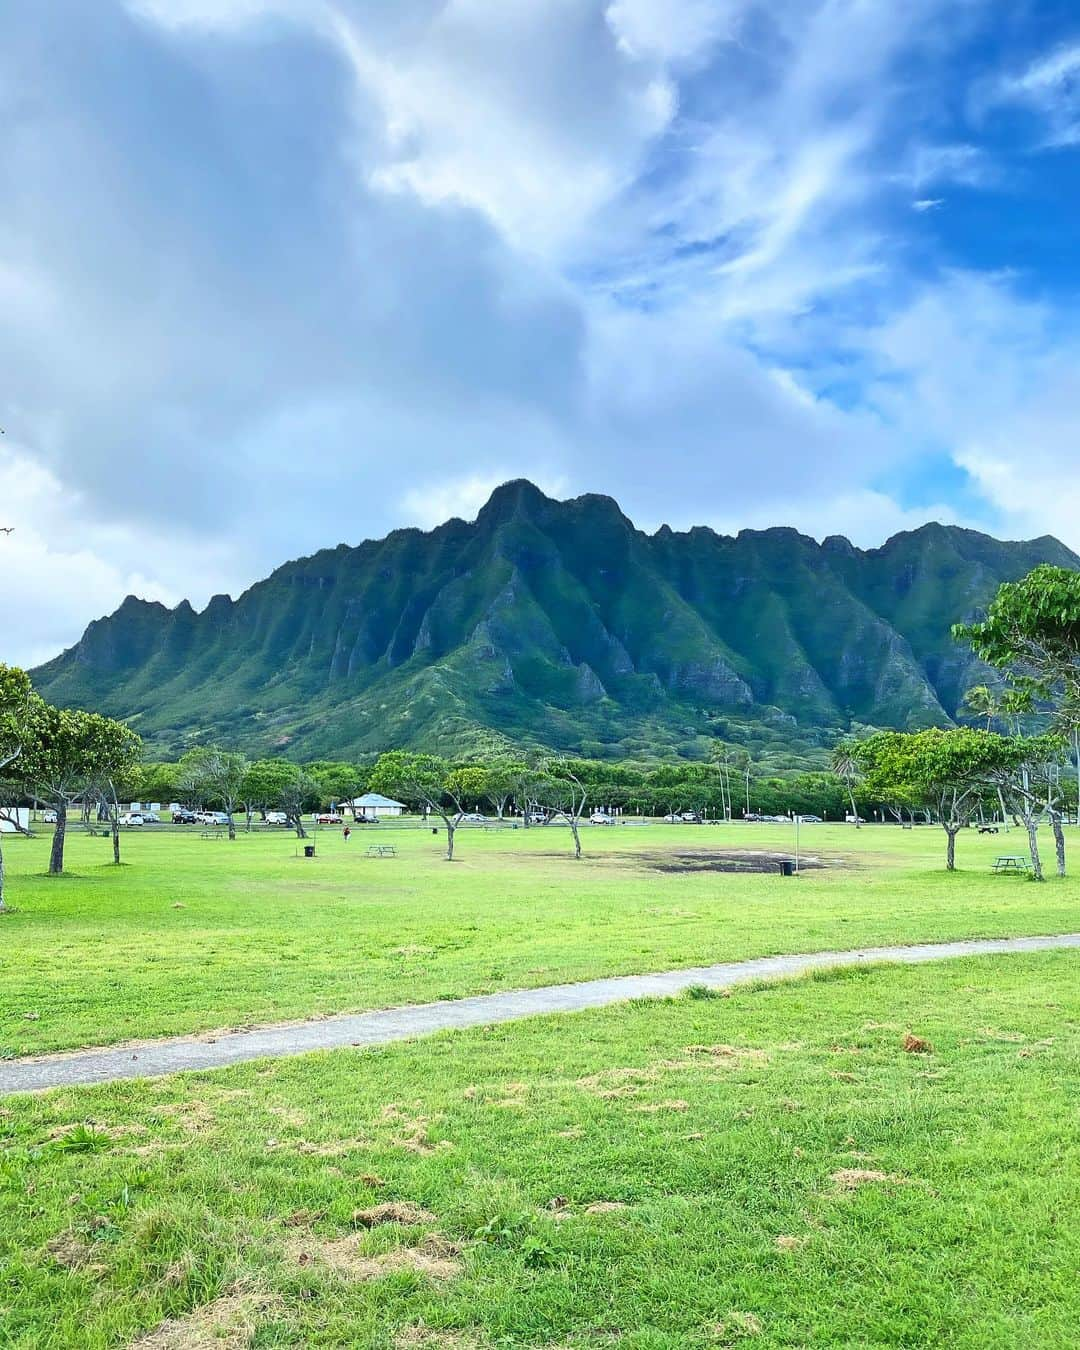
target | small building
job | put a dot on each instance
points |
(14, 818)
(374, 804)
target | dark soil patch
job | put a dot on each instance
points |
(728, 860)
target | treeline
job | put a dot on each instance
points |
(717, 789)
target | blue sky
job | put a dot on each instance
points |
(282, 273)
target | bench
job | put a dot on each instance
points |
(1012, 862)
(381, 851)
(988, 829)
(212, 834)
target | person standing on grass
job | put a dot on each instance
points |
(345, 833)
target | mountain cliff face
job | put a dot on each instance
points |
(558, 623)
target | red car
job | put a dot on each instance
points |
(328, 818)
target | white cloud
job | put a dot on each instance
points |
(340, 264)
(1048, 87)
(978, 370)
(431, 503)
(675, 32)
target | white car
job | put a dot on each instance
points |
(211, 817)
(133, 818)
(601, 818)
(276, 818)
(48, 817)
(474, 818)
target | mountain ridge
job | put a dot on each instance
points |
(555, 622)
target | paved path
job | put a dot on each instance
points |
(150, 1058)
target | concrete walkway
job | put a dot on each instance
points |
(151, 1058)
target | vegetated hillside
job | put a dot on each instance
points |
(561, 624)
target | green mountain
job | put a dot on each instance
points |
(557, 623)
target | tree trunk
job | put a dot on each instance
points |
(950, 847)
(56, 857)
(115, 823)
(854, 808)
(450, 828)
(1004, 816)
(301, 833)
(577, 837)
(232, 824)
(1059, 841)
(1033, 844)
(2, 905)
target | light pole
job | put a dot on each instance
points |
(797, 820)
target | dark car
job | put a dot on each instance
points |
(184, 818)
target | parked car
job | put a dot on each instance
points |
(601, 818)
(48, 817)
(328, 818)
(537, 818)
(276, 818)
(811, 820)
(474, 818)
(132, 818)
(183, 817)
(211, 817)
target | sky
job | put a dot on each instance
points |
(280, 274)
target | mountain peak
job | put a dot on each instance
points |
(512, 500)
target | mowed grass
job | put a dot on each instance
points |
(771, 1168)
(193, 934)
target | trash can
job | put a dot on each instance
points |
(787, 867)
(309, 850)
(435, 830)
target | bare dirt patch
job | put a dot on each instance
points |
(417, 1337)
(229, 1323)
(394, 1211)
(73, 1251)
(916, 1045)
(851, 1178)
(729, 860)
(436, 1258)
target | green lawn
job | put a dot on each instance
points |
(192, 934)
(773, 1169)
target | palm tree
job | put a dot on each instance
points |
(845, 764)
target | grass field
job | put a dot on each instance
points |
(194, 934)
(771, 1169)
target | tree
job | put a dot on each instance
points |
(503, 777)
(982, 701)
(1032, 630)
(70, 752)
(219, 775)
(943, 771)
(278, 783)
(561, 788)
(16, 708)
(1024, 777)
(336, 782)
(431, 783)
(845, 764)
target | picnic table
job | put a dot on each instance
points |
(381, 851)
(1012, 862)
(212, 834)
(988, 829)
